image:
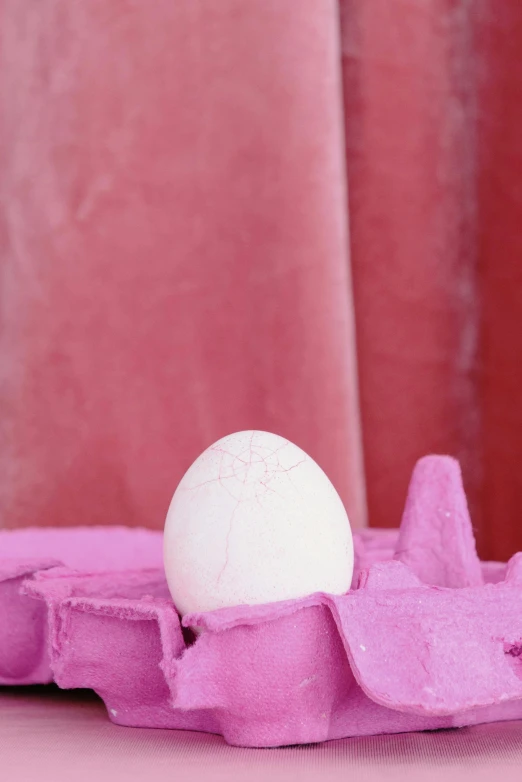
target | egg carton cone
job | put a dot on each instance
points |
(428, 637)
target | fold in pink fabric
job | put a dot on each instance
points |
(433, 97)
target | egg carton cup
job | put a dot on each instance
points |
(427, 638)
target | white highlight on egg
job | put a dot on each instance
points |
(255, 520)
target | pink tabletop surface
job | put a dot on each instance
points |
(48, 736)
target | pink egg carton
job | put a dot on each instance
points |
(427, 638)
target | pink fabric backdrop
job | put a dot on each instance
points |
(410, 162)
(433, 96)
(174, 248)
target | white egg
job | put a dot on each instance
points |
(255, 520)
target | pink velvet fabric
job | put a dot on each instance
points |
(432, 95)
(499, 214)
(174, 249)
(409, 91)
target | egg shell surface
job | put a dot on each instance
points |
(255, 520)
